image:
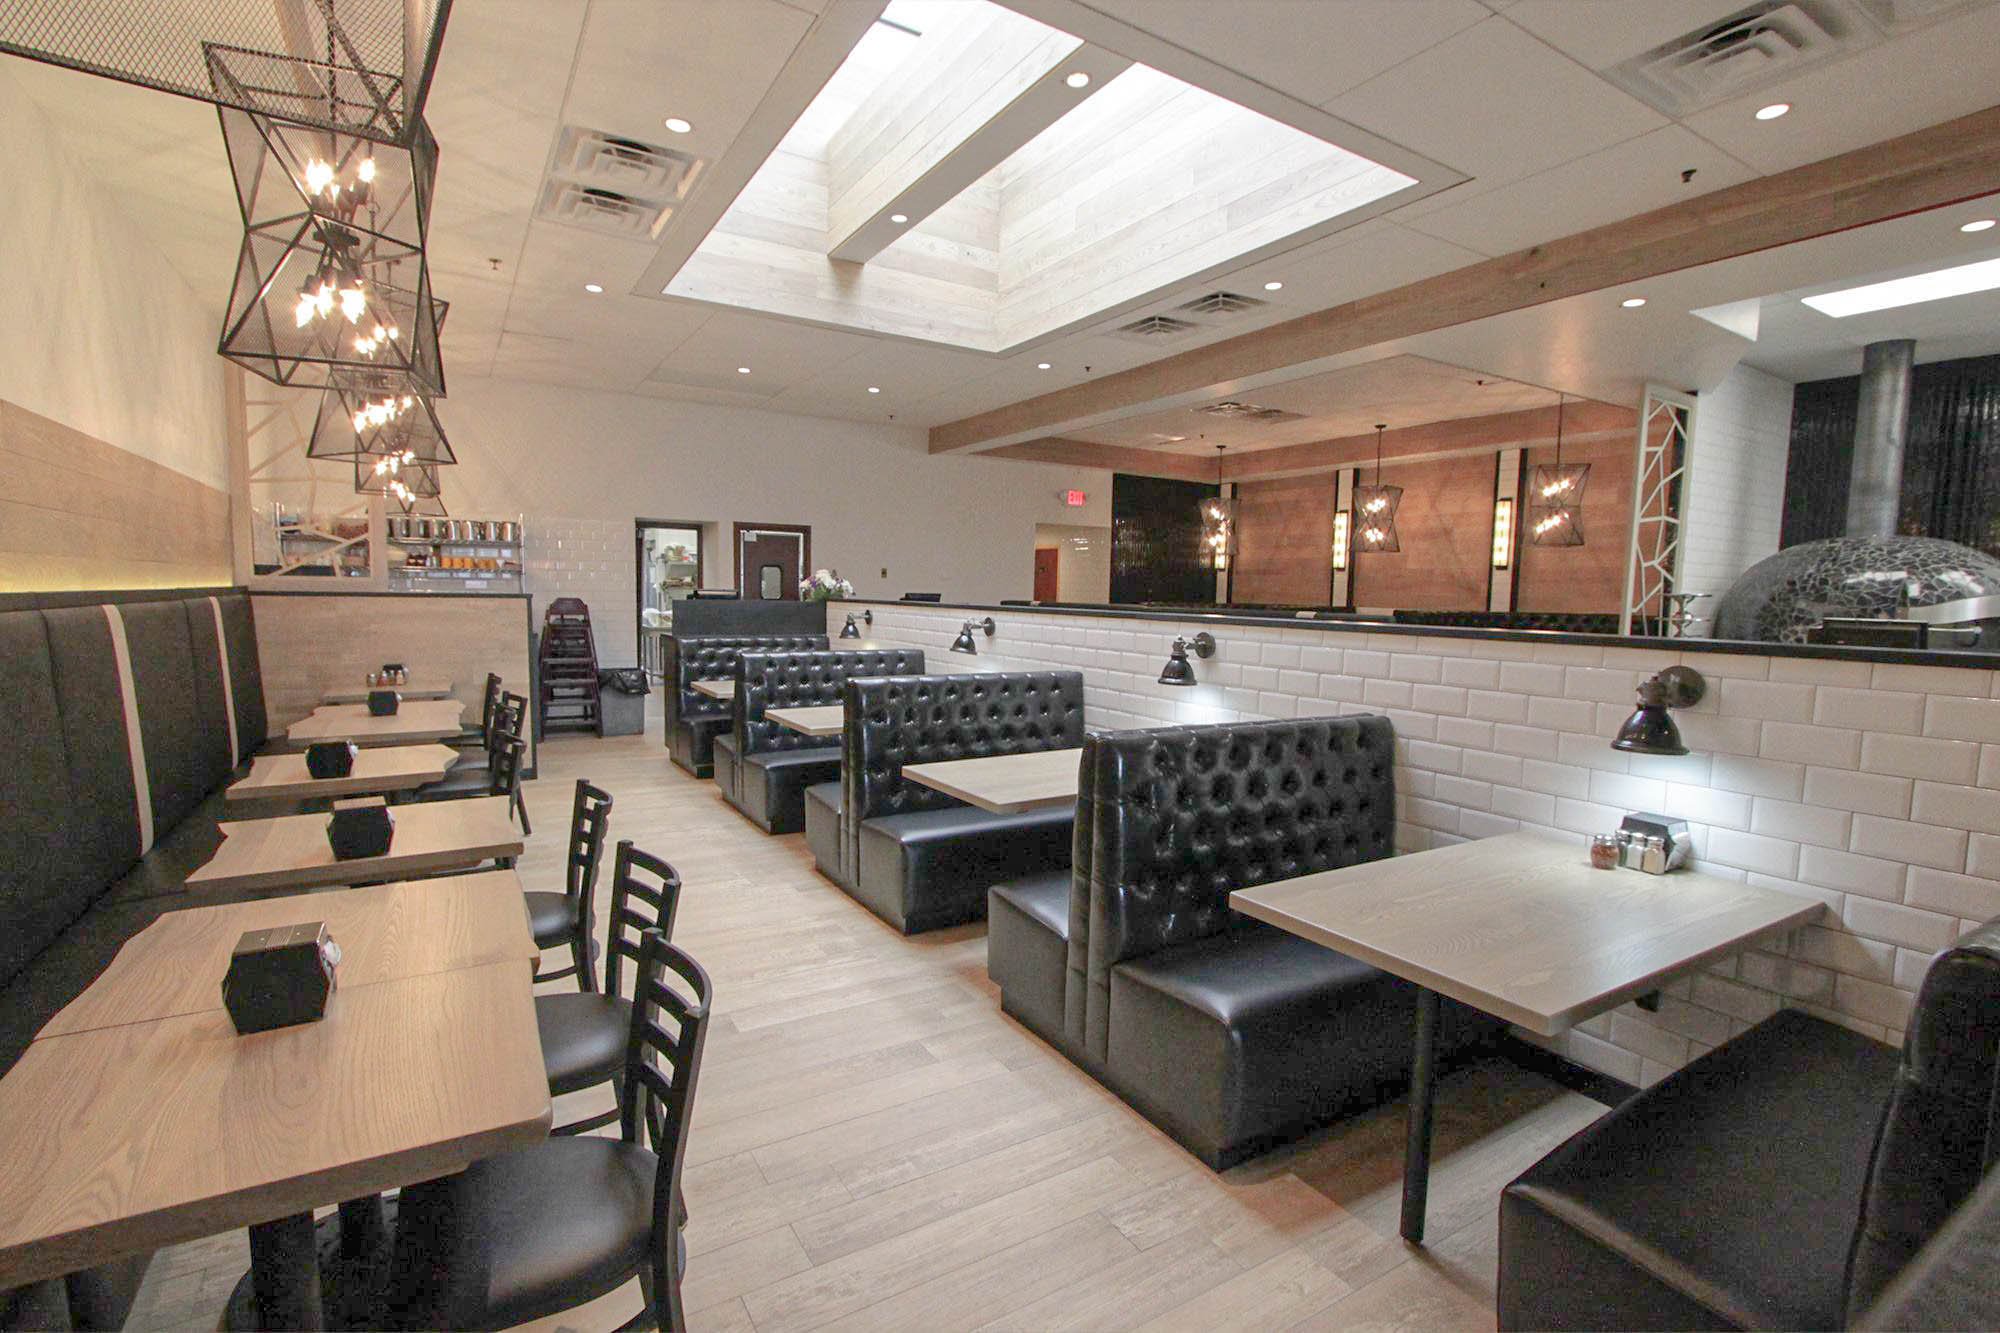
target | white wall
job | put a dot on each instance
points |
(579, 465)
(1736, 480)
(1872, 788)
(1083, 560)
(100, 333)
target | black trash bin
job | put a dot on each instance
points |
(621, 701)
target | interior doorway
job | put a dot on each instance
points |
(772, 559)
(1047, 560)
(666, 567)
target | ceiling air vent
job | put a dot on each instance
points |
(609, 162)
(1233, 410)
(1757, 46)
(1154, 328)
(598, 209)
(1223, 304)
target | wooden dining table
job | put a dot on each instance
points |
(1522, 927)
(715, 689)
(814, 720)
(378, 769)
(138, 1118)
(414, 721)
(416, 689)
(1005, 784)
(292, 851)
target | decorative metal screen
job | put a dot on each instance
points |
(363, 66)
(1653, 563)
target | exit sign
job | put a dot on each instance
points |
(1075, 499)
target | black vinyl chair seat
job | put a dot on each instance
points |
(1766, 1247)
(548, 917)
(460, 780)
(557, 1224)
(583, 1038)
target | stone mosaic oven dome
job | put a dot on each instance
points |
(1777, 600)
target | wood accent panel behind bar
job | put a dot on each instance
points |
(78, 512)
(1590, 577)
(1445, 528)
(1957, 160)
(1284, 540)
(311, 642)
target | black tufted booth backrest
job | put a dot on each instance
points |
(898, 720)
(1182, 816)
(804, 680)
(1941, 1128)
(713, 657)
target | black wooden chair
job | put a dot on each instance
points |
(584, 1035)
(476, 737)
(565, 918)
(469, 776)
(534, 1232)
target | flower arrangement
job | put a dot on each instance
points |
(824, 586)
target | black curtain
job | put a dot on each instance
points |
(1951, 464)
(1156, 541)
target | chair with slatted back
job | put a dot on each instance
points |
(566, 917)
(540, 1230)
(470, 778)
(475, 739)
(583, 1035)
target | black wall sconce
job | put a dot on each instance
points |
(852, 631)
(964, 642)
(1651, 729)
(1180, 671)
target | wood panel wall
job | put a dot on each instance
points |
(1284, 541)
(1590, 577)
(79, 512)
(1445, 529)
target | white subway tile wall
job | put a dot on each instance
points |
(1806, 778)
(588, 558)
(1736, 480)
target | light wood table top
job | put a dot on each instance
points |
(416, 689)
(415, 720)
(1522, 927)
(291, 851)
(821, 720)
(377, 768)
(132, 1137)
(386, 933)
(715, 689)
(1005, 783)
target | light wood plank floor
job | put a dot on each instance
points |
(877, 1147)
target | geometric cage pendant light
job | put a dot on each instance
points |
(401, 478)
(1555, 498)
(1375, 507)
(1218, 522)
(374, 414)
(331, 272)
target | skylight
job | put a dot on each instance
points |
(1939, 285)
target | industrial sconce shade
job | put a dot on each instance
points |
(850, 630)
(1651, 728)
(964, 642)
(1180, 671)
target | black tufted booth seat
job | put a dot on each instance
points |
(920, 859)
(770, 766)
(103, 825)
(1781, 1181)
(694, 721)
(1230, 1035)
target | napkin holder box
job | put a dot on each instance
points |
(356, 832)
(1653, 843)
(280, 977)
(330, 759)
(383, 703)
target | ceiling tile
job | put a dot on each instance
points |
(1605, 32)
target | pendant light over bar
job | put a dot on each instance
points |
(1555, 499)
(375, 413)
(1218, 522)
(1375, 508)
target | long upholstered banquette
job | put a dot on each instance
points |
(1783, 1180)
(694, 720)
(917, 858)
(120, 723)
(1229, 1034)
(764, 768)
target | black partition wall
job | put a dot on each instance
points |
(1156, 541)
(1951, 465)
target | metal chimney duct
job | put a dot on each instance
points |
(1881, 425)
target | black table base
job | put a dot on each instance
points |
(327, 1276)
(1417, 1147)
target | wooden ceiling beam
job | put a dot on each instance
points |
(1931, 168)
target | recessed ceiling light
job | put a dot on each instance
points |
(592, 288)
(1773, 111)
(1945, 282)
(1041, 365)
(1078, 80)
(677, 125)
(873, 389)
(1978, 224)
(899, 218)
(1274, 286)
(743, 370)
(1633, 302)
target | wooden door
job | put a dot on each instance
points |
(1047, 560)
(771, 560)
